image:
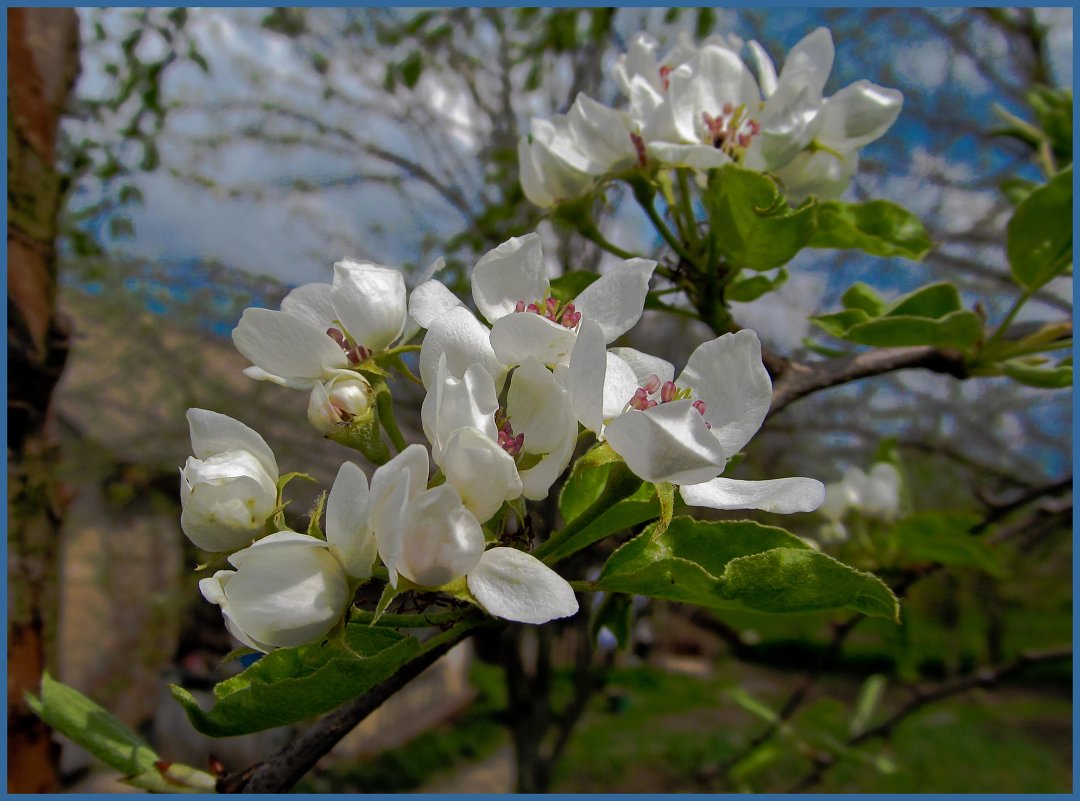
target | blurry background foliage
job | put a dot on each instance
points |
(216, 157)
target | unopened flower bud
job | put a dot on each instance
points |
(338, 401)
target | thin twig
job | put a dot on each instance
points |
(285, 768)
(923, 695)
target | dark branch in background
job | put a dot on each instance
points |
(793, 380)
(285, 768)
(923, 695)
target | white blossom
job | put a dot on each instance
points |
(683, 430)
(229, 487)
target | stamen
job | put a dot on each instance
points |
(667, 391)
(664, 72)
(700, 406)
(520, 307)
(338, 337)
(652, 383)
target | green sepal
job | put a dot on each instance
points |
(389, 593)
(362, 433)
(313, 527)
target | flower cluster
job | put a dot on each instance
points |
(701, 107)
(505, 394)
(875, 495)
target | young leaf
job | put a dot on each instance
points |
(749, 289)
(620, 507)
(862, 297)
(960, 329)
(932, 300)
(1059, 377)
(292, 684)
(73, 714)
(751, 222)
(878, 227)
(1039, 235)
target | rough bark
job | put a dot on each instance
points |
(43, 60)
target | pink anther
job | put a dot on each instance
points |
(667, 392)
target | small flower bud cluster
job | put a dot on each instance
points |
(667, 391)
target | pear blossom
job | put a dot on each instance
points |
(428, 537)
(229, 487)
(322, 332)
(512, 292)
(290, 589)
(566, 154)
(287, 590)
(875, 494)
(683, 430)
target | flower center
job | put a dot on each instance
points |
(654, 392)
(355, 353)
(550, 309)
(507, 441)
(732, 130)
(639, 147)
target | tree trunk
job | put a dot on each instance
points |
(43, 61)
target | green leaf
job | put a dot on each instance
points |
(605, 517)
(749, 289)
(569, 285)
(751, 222)
(411, 68)
(582, 488)
(932, 300)
(73, 714)
(945, 538)
(753, 704)
(789, 580)
(839, 323)
(724, 564)
(293, 684)
(1059, 377)
(1039, 235)
(860, 296)
(960, 329)
(866, 704)
(878, 227)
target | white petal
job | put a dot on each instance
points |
(532, 177)
(537, 480)
(727, 374)
(809, 62)
(519, 336)
(483, 473)
(790, 119)
(430, 301)
(225, 516)
(644, 364)
(668, 442)
(602, 134)
(882, 496)
(259, 374)
(620, 385)
(779, 495)
(311, 303)
(223, 467)
(823, 175)
(765, 69)
(370, 302)
(638, 61)
(442, 539)
(716, 77)
(288, 592)
(393, 487)
(212, 432)
(347, 528)
(858, 114)
(287, 346)
(585, 378)
(511, 272)
(516, 586)
(538, 406)
(470, 402)
(465, 341)
(698, 157)
(616, 299)
(836, 501)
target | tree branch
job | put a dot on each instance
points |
(923, 695)
(285, 768)
(793, 380)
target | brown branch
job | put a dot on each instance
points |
(793, 380)
(285, 768)
(924, 695)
